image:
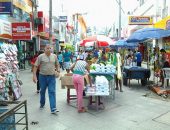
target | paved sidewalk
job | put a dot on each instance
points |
(129, 111)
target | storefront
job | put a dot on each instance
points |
(22, 35)
(165, 24)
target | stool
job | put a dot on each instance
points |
(69, 96)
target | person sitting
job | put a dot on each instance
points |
(165, 65)
(129, 60)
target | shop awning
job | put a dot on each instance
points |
(5, 36)
(163, 24)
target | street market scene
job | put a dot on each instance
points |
(84, 65)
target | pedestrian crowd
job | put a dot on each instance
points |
(46, 64)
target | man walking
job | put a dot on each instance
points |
(48, 64)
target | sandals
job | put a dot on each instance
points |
(82, 110)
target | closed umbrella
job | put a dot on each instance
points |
(148, 33)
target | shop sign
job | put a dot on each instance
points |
(63, 18)
(5, 27)
(168, 24)
(21, 31)
(140, 20)
(5, 7)
(25, 5)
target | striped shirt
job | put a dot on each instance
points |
(80, 67)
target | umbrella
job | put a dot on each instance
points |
(123, 43)
(148, 33)
(99, 40)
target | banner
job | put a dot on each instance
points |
(5, 7)
(25, 5)
(21, 31)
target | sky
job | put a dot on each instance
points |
(99, 13)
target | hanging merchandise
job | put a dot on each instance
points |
(10, 85)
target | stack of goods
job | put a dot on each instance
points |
(10, 85)
(101, 68)
(101, 87)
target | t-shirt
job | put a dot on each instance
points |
(67, 56)
(138, 57)
(47, 64)
(60, 58)
(80, 66)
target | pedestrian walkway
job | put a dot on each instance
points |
(129, 111)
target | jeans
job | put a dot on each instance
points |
(50, 82)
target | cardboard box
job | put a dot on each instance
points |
(67, 81)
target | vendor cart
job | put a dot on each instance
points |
(136, 72)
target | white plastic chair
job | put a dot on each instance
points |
(166, 74)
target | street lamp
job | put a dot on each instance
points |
(119, 19)
(50, 22)
(120, 9)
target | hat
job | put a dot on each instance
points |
(162, 50)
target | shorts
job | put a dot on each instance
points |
(67, 65)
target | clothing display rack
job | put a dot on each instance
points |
(10, 85)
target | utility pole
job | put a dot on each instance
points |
(50, 22)
(119, 33)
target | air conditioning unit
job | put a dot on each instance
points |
(39, 21)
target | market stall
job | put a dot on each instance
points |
(103, 84)
(135, 72)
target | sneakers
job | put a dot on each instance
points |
(54, 112)
(41, 107)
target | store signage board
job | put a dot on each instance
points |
(63, 18)
(21, 31)
(5, 7)
(140, 20)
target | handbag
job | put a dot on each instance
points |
(57, 74)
